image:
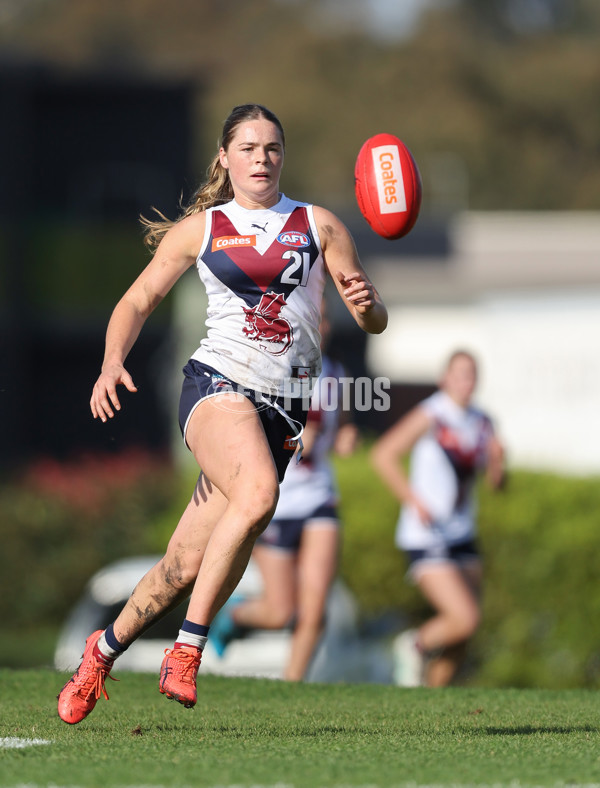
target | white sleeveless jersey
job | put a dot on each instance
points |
(264, 275)
(310, 483)
(443, 467)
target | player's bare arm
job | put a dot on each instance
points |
(392, 447)
(495, 467)
(353, 284)
(175, 254)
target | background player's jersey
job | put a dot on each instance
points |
(264, 276)
(444, 463)
(310, 483)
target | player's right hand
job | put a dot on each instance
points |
(104, 395)
(422, 511)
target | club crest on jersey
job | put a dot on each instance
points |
(292, 238)
(266, 326)
(232, 241)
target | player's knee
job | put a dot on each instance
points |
(267, 502)
(281, 617)
(257, 508)
(179, 570)
(469, 622)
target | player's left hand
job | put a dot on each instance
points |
(358, 291)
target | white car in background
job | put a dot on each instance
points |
(341, 655)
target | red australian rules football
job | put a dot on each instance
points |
(388, 188)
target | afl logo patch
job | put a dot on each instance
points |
(297, 240)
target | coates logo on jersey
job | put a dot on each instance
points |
(291, 238)
(266, 326)
(232, 241)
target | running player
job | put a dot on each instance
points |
(262, 258)
(449, 441)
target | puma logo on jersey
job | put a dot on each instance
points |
(226, 241)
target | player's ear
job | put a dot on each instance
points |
(223, 158)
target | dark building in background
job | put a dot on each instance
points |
(81, 157)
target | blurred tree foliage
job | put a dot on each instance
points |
(510, 96)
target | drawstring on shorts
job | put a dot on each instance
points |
(295, 426)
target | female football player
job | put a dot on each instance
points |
(449, 441)
(262, 258)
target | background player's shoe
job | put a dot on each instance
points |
(178, 675)
(81, 692)
(409, 663)
(223, 628)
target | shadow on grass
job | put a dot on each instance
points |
(532, 730)
(309, 731)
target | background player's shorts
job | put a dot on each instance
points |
(286, 533)
(203, 382)
(459, 554)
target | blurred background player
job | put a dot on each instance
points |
(297, 554)
(449, 441)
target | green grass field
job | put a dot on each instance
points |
(249, 733)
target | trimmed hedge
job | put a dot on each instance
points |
(539, 537)
(62, 522)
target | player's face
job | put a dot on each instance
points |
(460, 380)
(254, 159)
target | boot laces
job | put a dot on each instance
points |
(93, 679)
(189, 663)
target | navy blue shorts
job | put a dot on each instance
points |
(286, 534)
(459, 553)
(201, 382)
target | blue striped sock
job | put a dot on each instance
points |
(109, 645)
(192, 634)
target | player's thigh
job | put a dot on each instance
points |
(317, 566)
(447, 590)
(229, 443)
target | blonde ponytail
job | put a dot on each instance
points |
(216, 190)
